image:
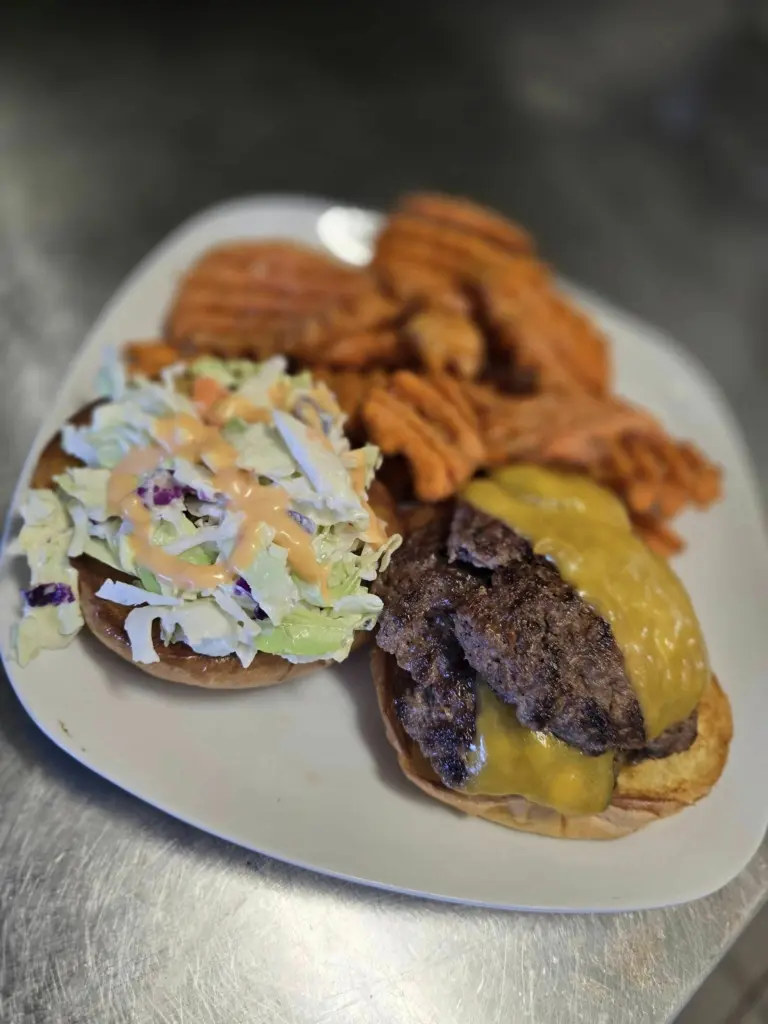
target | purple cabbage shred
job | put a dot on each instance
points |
(300, 412)
(49, 593)
(163, 489)
(165, 495)
(255, 611)
(304, 521)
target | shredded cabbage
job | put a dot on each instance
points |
(267, 607)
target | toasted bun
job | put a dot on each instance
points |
(645, 792)
(178, 663)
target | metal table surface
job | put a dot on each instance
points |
(628, 138)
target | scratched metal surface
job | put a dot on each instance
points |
(644, 177)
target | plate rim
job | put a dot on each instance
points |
(654, 337)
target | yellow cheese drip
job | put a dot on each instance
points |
(190, 438)
(586, 533)
(512, 759)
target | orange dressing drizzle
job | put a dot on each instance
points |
(236, 405)
(187, 437)
(376, 533)
(279, 393)
(311, 417)
(357, 476)
(324, 398)
(269, 505)
(123, 500)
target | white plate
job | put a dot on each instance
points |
(303, 772)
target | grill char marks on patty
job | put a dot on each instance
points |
(675, 740)
(466, 595)
(541, 648)
(421, 593)
(484, 542)
(539, 645)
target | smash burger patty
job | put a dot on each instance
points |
(466, 595)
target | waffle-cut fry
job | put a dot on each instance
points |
(410, 281)
(551, 428)
(351, 389)
(552, 344)
(582, 345)
(256, 334)
(271, 281)
(535, 360)
(485, 400)
(242, 291)
(361, 351)
(428, 399)
(526, 323)
(449, 264)
(453, 391)
(369, 311)
(258, 340)
(439, 246)
(187, 322)
(247, 301)
(658, 476)
(620, 446)
(493, 413)
(659, 536)
(392, 424)
(468, 216)
(446, 340)
(284, 265)
(411, 418)
(547, 335)
(703, 477)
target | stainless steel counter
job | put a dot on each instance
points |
(629, 141)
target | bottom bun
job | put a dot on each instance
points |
(644, 792)
(178, 663)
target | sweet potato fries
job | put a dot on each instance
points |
(455, 350)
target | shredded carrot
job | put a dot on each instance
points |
(206, 391)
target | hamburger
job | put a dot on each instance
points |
(537, 665)
(214, 528)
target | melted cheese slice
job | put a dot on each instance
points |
(586, 533)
